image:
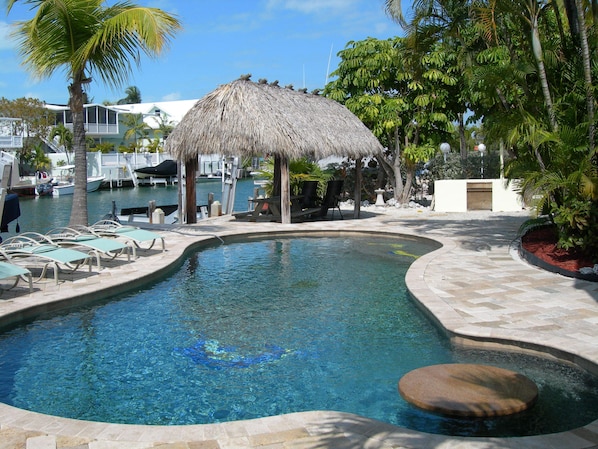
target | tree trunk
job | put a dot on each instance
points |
(397, 168)
(587, 71)
(538, 54)
(79, 213)
(410, 176)
(462, 140)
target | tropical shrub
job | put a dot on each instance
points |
(104, 147)
(300, 170)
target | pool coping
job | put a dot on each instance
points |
(332, 428)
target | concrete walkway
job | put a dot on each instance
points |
(473, 287)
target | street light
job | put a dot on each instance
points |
(482, 150)
(445, 148)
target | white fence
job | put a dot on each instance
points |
(116, 166)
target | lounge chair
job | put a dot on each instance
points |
(130, 234)
(10, 270)
(30, 252)
(82, 238)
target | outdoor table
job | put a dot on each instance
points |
(268, 208)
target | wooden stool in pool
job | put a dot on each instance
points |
(468, 390)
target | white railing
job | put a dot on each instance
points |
(97, 128)
(11, 133)
(11, 142)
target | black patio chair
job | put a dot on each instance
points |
(332, 198)
(309, 195)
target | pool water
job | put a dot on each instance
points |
(262, 328)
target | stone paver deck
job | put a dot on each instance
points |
(474, 287)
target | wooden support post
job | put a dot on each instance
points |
(357, 193)
(285, 191)
(190, 191)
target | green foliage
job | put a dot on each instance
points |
(300, 170)
(36, 120)
(104, 147)
(577, 222)
(133, 96)
(400, 96)
(155, 146)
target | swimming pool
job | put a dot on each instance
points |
(263, 328)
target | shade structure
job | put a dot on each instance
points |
(244, 118)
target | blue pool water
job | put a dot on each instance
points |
(261, 328)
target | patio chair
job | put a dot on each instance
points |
(130, 234)
(309, 195)
(31, 252)
(10, 270)
(332, 198)
(82, 238)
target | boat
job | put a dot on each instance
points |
(210, 177)
(142, 214)
(9, 210)
(93, 184)
(10, 179)
(66, 185)
(165, 169)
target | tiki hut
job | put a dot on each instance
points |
(244, 118)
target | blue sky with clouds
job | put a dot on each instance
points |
(286, 40)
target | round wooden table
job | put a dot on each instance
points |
(468, 390)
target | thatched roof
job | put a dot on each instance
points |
(247, 118)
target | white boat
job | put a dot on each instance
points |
(65, 185)
(62, 189)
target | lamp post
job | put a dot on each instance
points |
(445, 148)
(482, 150)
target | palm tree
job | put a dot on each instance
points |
(394, 10)
(137, 129)
(133, 96)
(86, 39)
(65, 139)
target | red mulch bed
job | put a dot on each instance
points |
(541, 242)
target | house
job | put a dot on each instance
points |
(104, 124)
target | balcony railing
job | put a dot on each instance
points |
(97, 128)
(11, 142)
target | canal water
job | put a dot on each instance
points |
(42, 214)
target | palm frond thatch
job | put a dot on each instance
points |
(246, 118)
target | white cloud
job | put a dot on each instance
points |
(312, 6)
(6, 41)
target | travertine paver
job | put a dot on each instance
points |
(473, 286)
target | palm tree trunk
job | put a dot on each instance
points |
(537, 49)
(79, 214)
(587, 71)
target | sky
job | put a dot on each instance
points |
(293, 41)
